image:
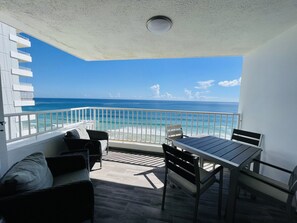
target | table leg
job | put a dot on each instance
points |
(256, 166)
(234, 173)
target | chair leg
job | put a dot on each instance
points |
(196, 208)
(201, 163)
(164, 191)
(290, 210)
(220, 193)
(100, 162)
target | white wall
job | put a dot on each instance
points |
(268, 98)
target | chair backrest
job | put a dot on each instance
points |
(174, 132)
(78, 133)
(293, 180)
(247, 137)
(181, 163)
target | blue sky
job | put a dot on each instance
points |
(60, 75)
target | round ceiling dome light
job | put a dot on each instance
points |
(159, 24)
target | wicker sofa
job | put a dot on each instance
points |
(70, 198)
(96, 142)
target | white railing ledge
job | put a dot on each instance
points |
(154, 148)
(127, 126)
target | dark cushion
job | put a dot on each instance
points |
(31, 173)
(73, 134)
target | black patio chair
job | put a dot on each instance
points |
(96, 142)
(272, 189)
(183, 170)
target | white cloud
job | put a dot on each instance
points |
(118, 95)
(189, 94)
(198, 95)
(232, 83)
(204, 84)
(168, 96)
(156, 90)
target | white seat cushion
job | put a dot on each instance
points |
(103, 145)
(180, 181)
(82, 132)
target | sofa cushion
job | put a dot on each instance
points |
(78, 133)
(83, 134)
(31, 173)
(71, 177)
(73, 134)
(103, 145)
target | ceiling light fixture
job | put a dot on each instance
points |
(159, 24)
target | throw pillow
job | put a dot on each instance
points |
(31, 173)
(83, 133)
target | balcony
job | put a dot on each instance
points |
(27, 95)
(22, 71)
(23, 87)
(21, 41)
(21, 56)
(26, 100)
(131, 182)
(21, 103)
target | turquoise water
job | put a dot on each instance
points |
(64, 103)
(138, 125)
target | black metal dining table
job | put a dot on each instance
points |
(229, 154)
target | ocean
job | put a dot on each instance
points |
(124, 123)
(42, 104)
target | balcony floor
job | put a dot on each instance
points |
(129, 189)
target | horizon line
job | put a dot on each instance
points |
(134, 99)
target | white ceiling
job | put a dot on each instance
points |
(116, 29)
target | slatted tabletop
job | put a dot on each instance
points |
(225, 152)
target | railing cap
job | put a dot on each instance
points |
(119, 109)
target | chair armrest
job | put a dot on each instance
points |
(273, 166)
(64, 164)
(211, 174)
(252, 175)
(168, 139)
(94, 146)
(97, 135)
(72, 202)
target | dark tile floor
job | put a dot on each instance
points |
(129, 189)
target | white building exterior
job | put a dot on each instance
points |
(15, 93)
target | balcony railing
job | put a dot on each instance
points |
(27, 95)
(20, 40)
(122, 124)
(25, 68)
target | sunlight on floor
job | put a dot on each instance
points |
(133, 175)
